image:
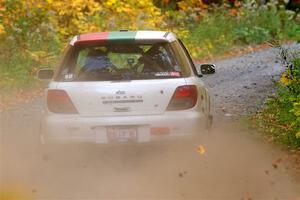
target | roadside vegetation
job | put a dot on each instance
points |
(280, 119)
(33, 32)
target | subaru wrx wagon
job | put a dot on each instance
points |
(125, 87)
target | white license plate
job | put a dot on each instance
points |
(121, 134)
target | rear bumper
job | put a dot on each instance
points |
(73, 128)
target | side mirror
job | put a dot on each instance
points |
(45, 74)
(207, 69)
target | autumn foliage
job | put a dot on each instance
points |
(34, 32)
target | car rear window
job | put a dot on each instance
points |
(109, 62)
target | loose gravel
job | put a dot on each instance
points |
(241, 84)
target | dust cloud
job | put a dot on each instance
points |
(234, 165)
(231, 164)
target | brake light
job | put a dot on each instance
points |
(58, 101)
(184, 97)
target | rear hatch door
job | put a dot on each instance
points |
(120, 98)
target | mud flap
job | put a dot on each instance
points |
(209, 123)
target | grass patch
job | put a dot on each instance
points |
(220, 30)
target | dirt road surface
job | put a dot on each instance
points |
(235, 165)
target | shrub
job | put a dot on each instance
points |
(34, 31)
(265, 23)
(212, 35)
(281, 118)
(220, 29)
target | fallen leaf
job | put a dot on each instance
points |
(223, 109)
(180, 175)
(275, 165)
(247, 197)
(270, 139)
(201, 149)
(276, 162)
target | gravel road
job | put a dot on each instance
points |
(242, 84)
(235, 165)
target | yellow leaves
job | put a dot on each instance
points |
(202, 4)
(165, 1)
(183, 5)
(130, 15)
(126, 10)
(209, 45)
(200, 149)
(95, 8)
(191, 4)
(2, 9)
(68, 18)
(182, 33)
(285, 80)
(1, 29)
(73, 17)
(110, 2)
(40, 5)
(298, 134)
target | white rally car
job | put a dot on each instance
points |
(125, 87)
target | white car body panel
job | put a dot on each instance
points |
(182, 124)
(121, 98)
(140, 105)
(91, 122)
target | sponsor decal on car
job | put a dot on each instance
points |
(168, 74)
(122, 99)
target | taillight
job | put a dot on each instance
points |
(184, 97)
(58, 101)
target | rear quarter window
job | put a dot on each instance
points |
(182, 57)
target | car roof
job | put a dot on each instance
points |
(123, 35)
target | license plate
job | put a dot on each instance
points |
(121, 134)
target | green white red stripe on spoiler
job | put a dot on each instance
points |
(122, 36)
